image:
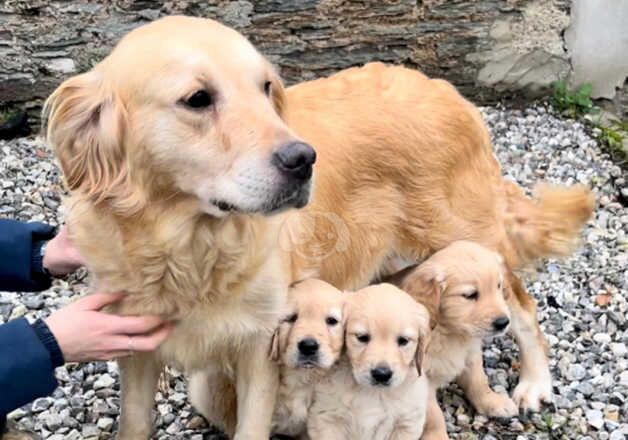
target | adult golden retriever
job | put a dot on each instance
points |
(179, 145)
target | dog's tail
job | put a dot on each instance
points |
(548, 224)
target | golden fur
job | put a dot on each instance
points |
(385, 328)
(405, 167)
(464, 289)
(143, 168)
(170, 203)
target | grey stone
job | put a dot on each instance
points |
(41, 404)
(104, 381)
(595, 418)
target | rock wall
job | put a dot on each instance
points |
(488, 48)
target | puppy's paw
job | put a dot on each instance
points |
(496, 405)
(531, 393)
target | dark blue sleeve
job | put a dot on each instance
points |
(20, 264)
(27, 363)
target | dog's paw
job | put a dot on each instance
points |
(496, 405)
(530, 394)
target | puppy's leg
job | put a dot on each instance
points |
(475, 384)
(212, 394)
(257, 379)
(138, 376)
(435, 426)
(535, 380)
(320, 427)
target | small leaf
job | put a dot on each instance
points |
(585, 90)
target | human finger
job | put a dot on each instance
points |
(134, 325)
(97, 301)
(113, 355)
(147, 342)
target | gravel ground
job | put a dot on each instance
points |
(582, 302)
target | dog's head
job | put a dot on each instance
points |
(182, 106)
(311, 334)
(386, 333)
(464, 288)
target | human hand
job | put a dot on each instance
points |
(84, 333)
(61, 257)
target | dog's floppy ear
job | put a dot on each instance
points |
(426, 284)
(275, 350)
(503, 280)
(423, 340)
(420, 353)
(85, 125)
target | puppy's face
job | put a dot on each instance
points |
(464, 287)
(182, 106)
(386, 334)
(311, 334)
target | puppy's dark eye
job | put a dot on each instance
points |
(499, 286)
(330, 320)
(471, 295)
(292, 318)
(363, 338)
(200, 99)
(402, 341)
(267, 87)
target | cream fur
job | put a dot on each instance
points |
(346, 408)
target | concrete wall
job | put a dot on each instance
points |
(597, 41)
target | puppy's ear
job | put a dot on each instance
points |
(420, 354)
(506, 287)
(274, 352)
(426, 284)
(85, 125)
(423, 338)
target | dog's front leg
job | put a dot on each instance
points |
(257, 380)
(474, 382)
(138, 375)
(535, 380)
(435, 426)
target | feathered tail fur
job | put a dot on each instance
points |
(548, 224)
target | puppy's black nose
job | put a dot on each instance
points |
(308, 346)
(295, 160)
(381, 375)
(501, 323)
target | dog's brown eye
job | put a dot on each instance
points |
(364, 338)
(401, 341)
(471, 295)
(267, 87)
(200, 99)
(330, 320)
(499, 286)
(292, 318)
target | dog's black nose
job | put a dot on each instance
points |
(381, 375)
(308, 346)
(501, 323)
(295, 160)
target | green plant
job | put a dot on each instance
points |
(612, 136)
(572, 103)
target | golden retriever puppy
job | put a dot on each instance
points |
(174, 149)
(378, 390)
(307, 344)
(464, 288)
